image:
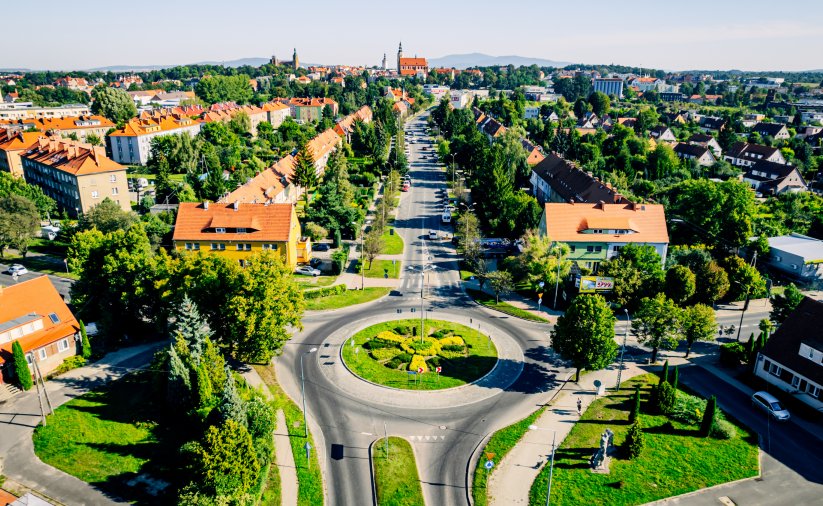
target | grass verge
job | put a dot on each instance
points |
(487, 300)
(395, 478)
(309, 477)
(349, 298)
(499, 444)
(378, 269)
(309, 282)
(392, 243)
(481, 357)
(675, 459)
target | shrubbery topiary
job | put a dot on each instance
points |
(635, 441)
(417, 362)
(666, 398)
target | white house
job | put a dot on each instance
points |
(131, 144)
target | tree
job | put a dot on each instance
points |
(584, 335)
(231, 405)
(666, 397)
(664, 372)
(712, 283)
(315, 232)
(656, 322)
(240, 123)
(179, 380)
(192, 327)
(697, 324)
(94, 140)
(19, 222)
(676, 377)
(107, 216)
(745, 280)
(707, 424)
(544, 260)
(213, 89)
(634, 414)
(265, 304)
(500, 282)
(85, 346)
(21, 366)
(113, 103)
(10, 185)
(225, 462)
(600, 103)
(637, 271)
(372, 245)
(305, 173)
(468, 231)
(783, 305)
(680, 284)
(634, 440)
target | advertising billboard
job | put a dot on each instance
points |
(592, 284)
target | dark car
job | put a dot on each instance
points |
(320, 246)
(315, 262)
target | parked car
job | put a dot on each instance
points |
(17, 269)
(771, 405)
(315, 262)
(405, 187)
(433, 234)
(320, 246)
(307, 271)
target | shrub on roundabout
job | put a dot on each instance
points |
(427, 346)
(417, 362)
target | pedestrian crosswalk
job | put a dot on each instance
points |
(429, 438)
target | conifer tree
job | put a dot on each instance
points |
(635, 441)
(192, 326)
(707, 423)
(179, 383)
(231, 405)
(675, 377)
(205, 392)
(634, 414)
(304, 174)
(21, 367)
(664, 373)
(85, 345)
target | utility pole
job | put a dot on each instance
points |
(39, 397)
(386, 437)
(623, 348)
(551, 471)
(43, 382)
(362, 260)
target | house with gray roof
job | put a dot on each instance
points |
(798, 256)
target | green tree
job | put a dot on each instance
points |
(21, 366)
(712, 283)
(232, 406)
(372, 245)
(584, 335)
(94, 140)
(600, 103)
(544, 260)
(113, 103)
(634, 440)
(10, 185)
(192, 327)
(675, 377)
(656, 323)
(214, 89)
(305, 173)
(240, 123)
(225, 462)
(664, 372)
(634, 414)
(179, 380)
(698, 324)
(707, 424)
(666, 397)
(783, 305)
(315, 232)
(85, 345)
(107, 216)
(745, 280)
(680, 284)
(637, 271)
(19, 222)
(266, 303)
(500, 282)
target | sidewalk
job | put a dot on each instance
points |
(520, 302)
(285, 462)
(511, 480)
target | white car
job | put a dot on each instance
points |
(17, 270)
(433, 234)
(307, 271)
(771, 405)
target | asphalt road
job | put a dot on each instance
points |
(63, 285)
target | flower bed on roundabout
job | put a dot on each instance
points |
(387, 352)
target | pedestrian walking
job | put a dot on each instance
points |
(579, 407)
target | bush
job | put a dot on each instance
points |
(403, 330)
(400, 360)
(732, 354)
(451, 341)
(635, 441)
(429, 346)
(688, 409)
(381, 354)
(377, 344)
(433, 362)
(708, 422)
(634, 414)
(85, 346)
(723, 430)
(339, 259)
(417, 362)
(68, 364)
(666, 398)
(389, 336)
(21, 367)
(440, 334)
(324, 292)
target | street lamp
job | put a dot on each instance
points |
(745, 306)
(303, 389)
(623, 348)
(551, 465)
(453, 155)
(466, 208)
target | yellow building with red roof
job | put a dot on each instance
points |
(12, 144)
(35, 315)
(131, 144)
(76, 175)
(238, 230)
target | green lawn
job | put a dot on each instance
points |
(309, 282)
(379, 268)
(309, 477)
(109, 436)
(392, 244)
(349, 298)
(499, 444)
(487, 300)
(478, 359)
(395, 478)
(675, 460)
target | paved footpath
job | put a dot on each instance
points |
(512, 478)
(285, 462)
(20, 415)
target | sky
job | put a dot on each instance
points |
(697, 34)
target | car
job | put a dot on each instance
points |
(320, 246)
(405, 187)
(17, 270)
(315, 262)
(771, 405)
(433, 234)
(306, 270)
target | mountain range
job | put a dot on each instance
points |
(462, 61)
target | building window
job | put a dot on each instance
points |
(193, 246)
(218, 246)
(113, 178)
(220, 230)
(243, 247)
(43, 354)
(773, 369)
(572, 248)
(589, 249)
(598, 249)
(54, 318)
(114, 191)
(813, 390)
(241, 230)
(795, 381)
(63, 345)
(242, 263)
(94, 194)
(28, 358)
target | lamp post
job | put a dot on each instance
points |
(453, 171)
(551, 465)
(303, 390)
(745, 306)
(623, 348)
(466, 208)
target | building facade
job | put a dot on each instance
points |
(76, 126)
(26, 110)
(797, 256)
(12, 144)
(131, 144)
(608, 85)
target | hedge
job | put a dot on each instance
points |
(324, 292)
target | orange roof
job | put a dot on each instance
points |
(62, 124)
(570, 222)
(17, 141)
(324, 144)
(266, 185)
(29, 301)
(263, 222)
(157, 122)
(345, 125)
(417, 62)
(535, 157)
(273, 106)
(70, 156)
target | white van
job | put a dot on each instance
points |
(447, 217)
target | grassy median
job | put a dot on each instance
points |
(395, 478)
(489, 301)
(348, 298)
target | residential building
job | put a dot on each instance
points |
(322, 147)
(792, 359)
(79, 126)
(663, 133)
(460, 99)
(705, 99)
(531, 112)
(743, 154)
(811, 117)
(701, 154)
(710, 123)
(74, 84)
(707, 141)
(276, 113)
(271, 186)
(77, 176)
(555, 179)
(35, 315)
(224, 112)
(411, 67)
(307, 110)
(534, 154)
(11, 97)
(26, 110)
(608, 85)
(238, 230)
(131, 144)
(12, 145)
(596, 232)
(345, 126)
(797, 256)
(770, 178)
(675, 117)
(672, 96)
(644, 84)
(774, 130)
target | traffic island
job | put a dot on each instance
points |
(414, 355)
(396, 481)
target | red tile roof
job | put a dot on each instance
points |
(568, 222)
(70, 156)
(263, 222)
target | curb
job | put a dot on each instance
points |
(471, 465)
(371, 473)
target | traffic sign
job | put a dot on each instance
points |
(419, 370)
(439, 369)
(489, 465)
(539, 295)
(490, 455)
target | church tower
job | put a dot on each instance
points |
(399, 55)
(384, 61)
(274, 61)
(294, 60)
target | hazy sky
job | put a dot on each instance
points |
(696, 34)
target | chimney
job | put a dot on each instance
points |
(602, 205)
(236, 205)
(206, 205)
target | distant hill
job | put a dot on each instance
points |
(254, 62)
(462, 61)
